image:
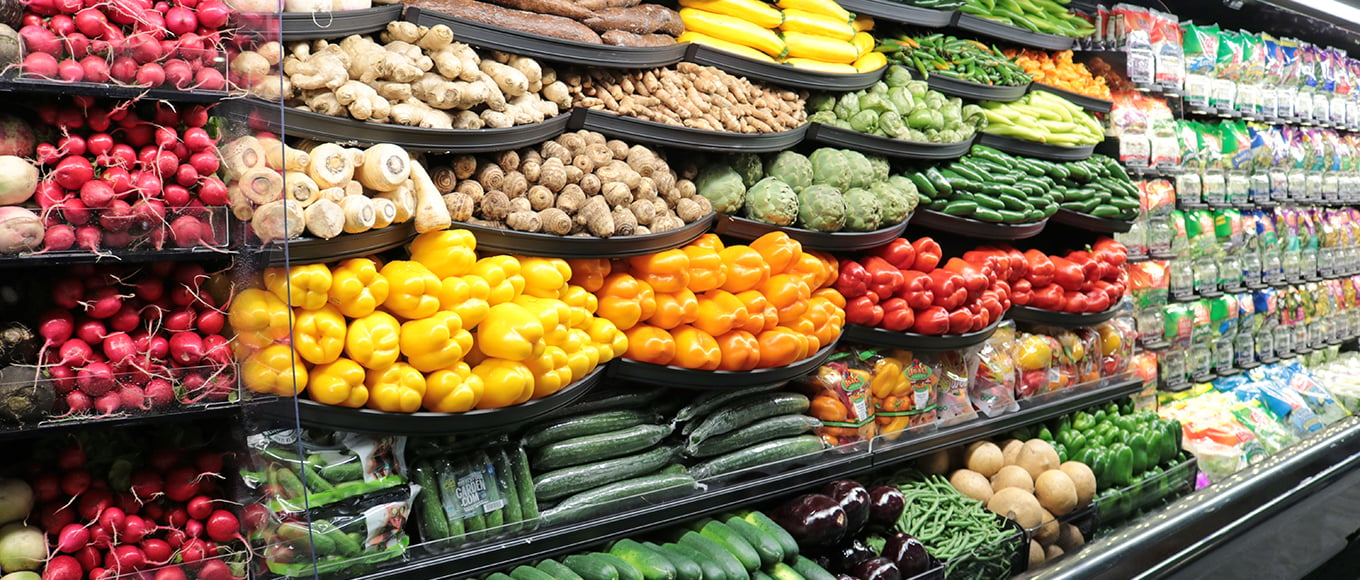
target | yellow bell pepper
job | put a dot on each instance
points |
(374, 341)
(579, 297)
(511, 332)
(259, 318)
(589, 273)
(779, 250)
(720, 311)
(465, 296)
(301, 286)
(649, 344)
(674, 309)
(550, 311)
(319, 335)
(709, 241)
(275, 370)
(696, 349)
(357, 288)
(544, 277)
(399, 388)
(434, 343)
(551, 371)
(610, 340)
(502, 275)
(625, 300)
(507, 383)
(746, 269)
(582, 355)
(665, 272)
(339, 383)
(446, 253)
(453, 390)
(706, 270)
(414, 289)
(831, 294)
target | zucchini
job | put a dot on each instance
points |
(626, 570)
(776, 531)
(760, 575)
(597, 501)
(782, 571)
(759, 432)
(685, 568)
(716, 553)
(593, 448)
(564, 482)
(730, 540)
(711, 401)
(557, 570)
(527, 573)
(759, 454)
(747, 410)
(591, 567)
(769, 550)
(652, 564)
(810, 570)
(582, 425)
(711, 569)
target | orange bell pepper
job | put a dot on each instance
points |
(719, 312)
(760, 315)
(740, 351)
(706, 270)
(710, 241)
(625, 300)
(781, 346)
(589, 273)
(779, 250)
(810, 269)
(746, 269)
(665, 272)
(788, 295)
(696, 349)
(832, 295)
(650, 344)
(674, 309)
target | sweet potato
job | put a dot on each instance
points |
(541, 24)
(565, 9)
(642, 19)
(623, 38)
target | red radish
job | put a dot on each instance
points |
(126, 558)
(176, 517)
(95, 379)
(36, 9)
(212, 192)
(197, 140)
(187, 231)
(126, 320)
(117, 239)
(181, 484)
(91, 331)
(46, 487)
(167, 573)
(71, 458)
(88, 237)
(108, 403)
(117, 217)
(180, 21)
(47, 154)
(72, 538)
(193, 528)
(195, 116)
(149, 289)
(159, 393)
(223, 526)
(176, 196)
(210, 79)
(95, 193)
(63, 377)
(91, 22)
(55, 515)
(95, 69)
(103, 303)
(210, 322)
(133, 397)
(158, 552)
(180, 321)
(68, 6)
(77, 44)
(73, 172)
(39, 40)
(135, 528)
(146, 485)
(102, 144)
(186, 349)
(118, 178)
(118, 347)
(124, 71)
(78, 402)
(56, 326)
(126, 502)
(215, 570)
(72, 145)
(145, 47)
(209, 462)
(149, 185)
(70, 71)
(49, 194)
(150, 75)
(89, 557)
(93, 502)
(166, 163)
(67, 293)
(256, 517)
(59, 238)
(155, 346)
(199, 507)
(174, 537)
(99, 573)
(187, 175)
(112, 518)
(63, 567)
(178, 73)
(76, 352)
(213, 14)
(193, 551)
(42, 64)
(77, 213)
(71, 117)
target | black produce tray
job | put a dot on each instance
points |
(549, 48)
(1089, 103)
(293, 26)
(745, 229)
(551, 246)
(12, 82)
(180, 413)
(899, 12)
(972, 90)
(781, 74)
(634, 130)
(318, 251)
(313, 414)
(1038, 150)
(943, 222)
(1090, 222)
(912, 341)
(887, 146)
(1013, 34)
(1064, 319)
(116, 256)
(681, 378)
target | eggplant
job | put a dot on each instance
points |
(908, 553)
(851, 554)
(816, 521)
(854, 499)
(886, 504)
(877, 569)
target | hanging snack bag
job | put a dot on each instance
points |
(1168, 53)
(841, 398)
(1139, 29)
(1201, 55)
(995, 376)
(1228, 69)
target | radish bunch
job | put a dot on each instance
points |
(129, 177)
(126, 42)
(135, 339)
(166, 520)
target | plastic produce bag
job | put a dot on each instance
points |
(842, 399)
(346, 537)
(904, 392)
(952, 369)
(332, 467)
(995, 374)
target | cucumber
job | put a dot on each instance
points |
(639, 399)
(747, 410)
(527, 573)
(593, 448)
(569, 480)
(652, 564)
(810, 570)
(716, 553)
(494, 508)
(557, 570)
(524, 486)
(598, 501)
(498, 576)
(582, 425)
(759, 454)
(433, 523)
(626, 570)
(505, 478)
(591, 567)
(776, 531)
(760, 575)
(685, 568)
(712, 570)
(710, 401)
(472, 523)
(733, 543)
(344, 545)
(782, 571)
(767, 548)
(759, 432)
(349, 471)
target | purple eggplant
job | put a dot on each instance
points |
(877, 569)
(854, 499)
(886, 504)
(816, 521)
(851, 554)
(908, 553)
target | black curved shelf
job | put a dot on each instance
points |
(781, 74)
(1013, 34)
(179, 413)
(634, 130)
(13, 82)
(298, 123)
(550, 246)
(293, 26)
(972, 90)
(1089, 103)
(944, 222)
(313, 414)
(1038, 150)
(1090, 222)
(681, 378)
(1064, 319)
(745, 229)
(318, 251)
(549, 48)
(887, 146)
(899, 12)
(196, 254)
(914, 341)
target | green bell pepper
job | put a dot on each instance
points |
(1121, 466)
(1140, 445)
(1062, 452)
(1083, 421)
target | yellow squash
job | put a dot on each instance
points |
(754, 11)
(821, 48)
(827, 7)
(732, 29)
(796, 20)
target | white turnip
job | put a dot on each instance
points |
(22, 548)
(21, 230)
(16, 500)
(18, 180)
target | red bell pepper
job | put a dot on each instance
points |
(1022, 292)
(933, 320)
(899, 253)
(1111, 252)
(1112, 292)
(990, 257)
(975, 280)
(1090, 268)
(992, 306)
(1066, 273)
(884, 278)
(928, 255)
(1049, 297)
(853, 280)
(1039, 267)
(1075, 302)
(1097, 301)
(897, 315)
(916, 290)
(948, 289)
(981, 319)
(1031, 382)
(863, 310)
(960, 321)
(1019, 264)
(1002, 289)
